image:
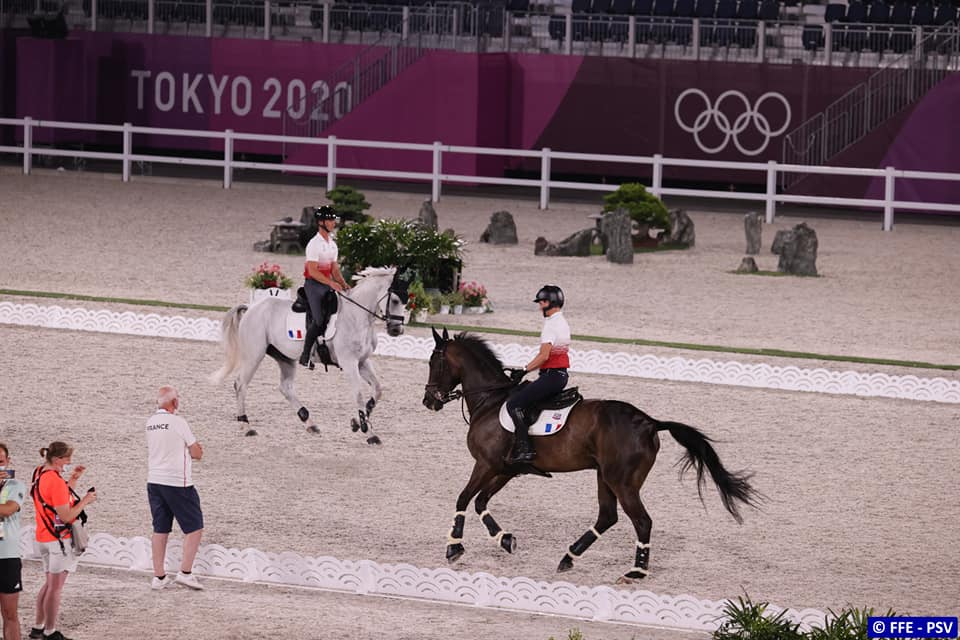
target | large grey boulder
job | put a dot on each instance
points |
(616, 227)
(753, 226)
(501, 230)
(681, 229)
(797, 249)
(428, 216)
(309, 228)
(577, 244)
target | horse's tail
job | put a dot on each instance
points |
(229, 336)
(733, 487)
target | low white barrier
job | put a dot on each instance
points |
(787, 378)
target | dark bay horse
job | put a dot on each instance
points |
(615, 438)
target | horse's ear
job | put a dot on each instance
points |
(446, 336)
(436, 337)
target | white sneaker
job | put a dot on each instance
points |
(189, 580)
(159, 584)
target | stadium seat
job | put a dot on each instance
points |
(812, 37)
(770, 10)
(901, 13)
(946, 13)
(748, 10)
(923, 15)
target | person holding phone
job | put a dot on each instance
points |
(55, 506)
(12, 492)
(171, 450)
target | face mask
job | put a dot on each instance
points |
(67, 469)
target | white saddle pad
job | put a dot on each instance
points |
(297, 326)
(547, 424)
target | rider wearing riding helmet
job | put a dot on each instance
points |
(553, 362)
(322, 274)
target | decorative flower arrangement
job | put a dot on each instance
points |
(417, 298)
(474, 294)
(267, 276)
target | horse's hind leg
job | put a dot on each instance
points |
(288, 370)
(480, 476)
(506, 540)
(606, 518)
(630, 501)
(248, 366)
(352, 369)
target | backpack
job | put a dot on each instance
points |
(78, 535)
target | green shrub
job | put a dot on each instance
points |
(644, 207)
(747, 620)
(349, 203)
(420, 253)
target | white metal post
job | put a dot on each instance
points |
(771, 190)
(545, 178)
(127, 150)
(405, 23)
(93, 15)
(888, 192)
(632, 36)
(761, 41)
(151, 15)
(437, 166)
(568, 36)
(326, 21)
(657, 187)
(331, 163)
(695, 38)
(208, 28)
(27, 145)
(828, 44)
(227, 158)
(266, 20)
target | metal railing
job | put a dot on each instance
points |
(868, 105)
(436, 177)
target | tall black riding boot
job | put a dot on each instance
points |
(312, 334)
(522, 448)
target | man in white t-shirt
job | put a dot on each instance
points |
(322, 277)
(171, 450)
(552, 361)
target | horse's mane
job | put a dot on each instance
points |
(374, 272)
(478, 347)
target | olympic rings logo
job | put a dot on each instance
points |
(751, 115)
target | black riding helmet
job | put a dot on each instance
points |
(552, 294)
(325, 212)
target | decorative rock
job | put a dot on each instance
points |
(616, 233)
(577, 244)
(262, 245)
(285, 237)
(501, 230)
(797, 249)
(782, 236)
(753, 226)
(428, 216)
(748, 265)
(681, 229)
(309, 228)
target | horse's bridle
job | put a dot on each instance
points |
(456, 394)
(386, 316)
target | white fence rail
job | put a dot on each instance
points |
(436, 177)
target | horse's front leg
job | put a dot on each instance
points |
(361, 423)
(288, 370)
(369, 375)
(606, 518)
(480, 476)
(506, 540)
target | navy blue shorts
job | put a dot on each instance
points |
(167, 503)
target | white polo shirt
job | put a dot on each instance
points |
(556, 332)
(323, 251)
(168, 459)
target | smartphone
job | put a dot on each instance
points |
(91, 489)
(7, 474)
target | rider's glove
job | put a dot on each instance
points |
(516, 375)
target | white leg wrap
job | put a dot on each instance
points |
(484, 513)
(595, 532)
(450, 538)
(642, 545)
(639, 570)
(573, 554)
(497, 538)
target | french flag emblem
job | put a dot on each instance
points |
(548, 428)
(295, 335)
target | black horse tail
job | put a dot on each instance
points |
(734, 487)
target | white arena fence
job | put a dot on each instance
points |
(443, 585)
(436, 177)
(702, 370)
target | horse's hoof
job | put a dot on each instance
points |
(251, 432)
(313, 429)
(374, 440)
(371, 403)
(243, 418)
(454, 551)
(508, 543)
(631, 577)
(355, 425)
(565, 565)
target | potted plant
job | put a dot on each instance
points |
(418, 302)
(445, 303)
(474, 296)
(645, 209)
(268, 281)
(456, 303)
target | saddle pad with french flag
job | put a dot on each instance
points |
(297, 326)
(548, 423)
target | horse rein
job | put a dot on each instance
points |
(386, 316)
(457, 394)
